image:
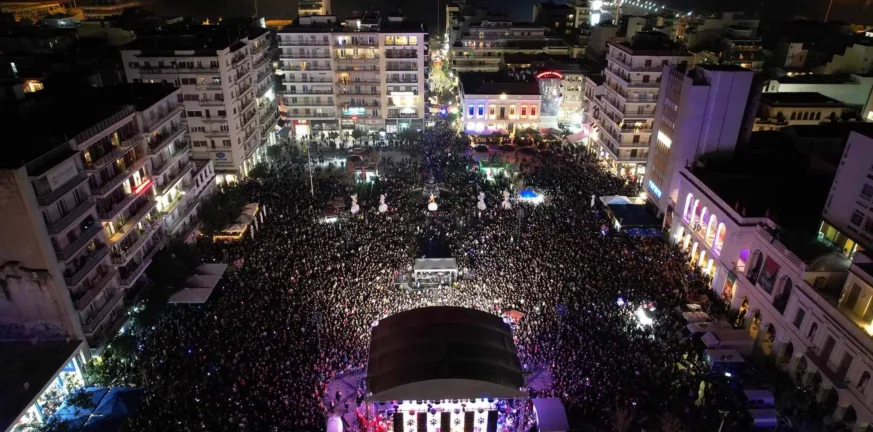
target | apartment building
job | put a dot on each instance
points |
(778, 110)
(493, 103)
(632, 83)
(366, 73)
(796, 271)
(700, 111)
(230, 105)
(482, 45)
(313, 7)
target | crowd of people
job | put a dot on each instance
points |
(259, 355)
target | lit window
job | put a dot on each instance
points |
(533, 111)
(481, 111)
(524, 111)
(491, 111)
(413, 40)
(664, 139)
(400, 40)
(471, 110)
(389, 40)
(512, 111)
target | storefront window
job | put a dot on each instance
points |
(389, 40)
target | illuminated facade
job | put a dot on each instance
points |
(481, 46)
(699, 112)
(498, 107)
(367, 73)
(632, 82)
(805, 297)
(228, 96)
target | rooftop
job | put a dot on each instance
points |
(33, 364)
(651, 43)
(28, 135)
(799, 99)
(815, 79)
(140, 95)
(722, 67)
(770, 179)
(328, 25)
(202, 39)
(494, 83)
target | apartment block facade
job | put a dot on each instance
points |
(700, 111)
(480, 47)
(623, 128)
(366, 74)
(228, 97)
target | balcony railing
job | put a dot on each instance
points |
(304, 55)
(360, 81)
(93, 259)
(106, 159)
(91, 323)
(303, 42)
(65, 221)
(159, 170)
(182, 216)
(122, 257)
(401, 54)
(144, 209)
(173, 111)
(631, 67)
(53, 196)
(83, 299)
(83, 136)
(315, 114)
(171, 181)
(134, 274)
(80, 242)
(162, 140)
(308, 91)
(304, 79)
(116, 208)
(119, 178)
(402, 67)
(824, 366)
(402, 80)
(357, 58)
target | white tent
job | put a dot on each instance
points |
(199, 286)
(551, 415)
(334, 424)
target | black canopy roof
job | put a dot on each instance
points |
(443, 352)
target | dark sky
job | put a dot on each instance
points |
(858, 11)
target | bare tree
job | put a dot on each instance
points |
(670, 423)
(622, 420)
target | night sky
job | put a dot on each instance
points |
(859, 11)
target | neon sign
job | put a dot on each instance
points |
(550, 74)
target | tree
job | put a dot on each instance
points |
(221, 209)
(274, 152)
(358, 133)
(408, 134)
(259, 171)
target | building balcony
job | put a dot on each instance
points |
(628, 66)
(401, 67)
(172, 180)
(310, 103)
(122, 175)
(365, 93)
(305, 79)
(827, 370)
(305, 69)
(132, 276)
(216, 134)
(172, 112)
(261, 62)
(630, 84)
(84, 298)
(211, 102)
(303, 42)
(357, 68)
(90, 324)
(120, 258)
(106, 159)
(208, 86)
(84, 238)
(131, 222)
(161, 140)
(401, 54)
(366, 80)
(118, 207)
(361, 59)
(51, 197)
(401, 80)
(213, 120)
(183, 216)
(308, 91)
(358, 43)
(290, 55)
(80, 210)
(269, 118)
(313, 115)
(244, 88)
(402, 115)
(72, 278)
(162, 167)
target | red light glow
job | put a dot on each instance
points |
(142, 186)
(550, 74)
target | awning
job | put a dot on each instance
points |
(578, 136)
(200, 286)
(551, 415)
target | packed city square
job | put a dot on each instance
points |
(259, 355)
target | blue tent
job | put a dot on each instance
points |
(119, 403)
(75, 416)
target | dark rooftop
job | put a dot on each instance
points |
(799, 99)
(772, 179)
(28, 134)
(652, 43)
(814, 79)
(34, 364)
(597, 79)
(336, 26)
(722, 67)
(492, 83)
(203, 39)
(140, 95)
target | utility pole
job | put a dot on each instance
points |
(311, 184)
(828, 13)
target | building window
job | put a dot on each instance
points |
(481, 111)
(491, 111)
(533, 111)
(512, 111)
(857, 218)
(793, 115)
(867, 191)
(862, 383)
(413, 40)
(818, 115)
(524, 110)
(798, 318)
(812, 331)
(471, 111)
